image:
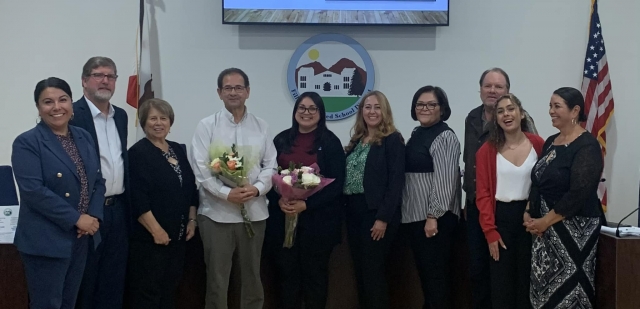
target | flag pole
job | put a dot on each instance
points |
(137, 74)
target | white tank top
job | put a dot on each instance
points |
(514, 182)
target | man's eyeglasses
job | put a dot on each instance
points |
(426, 106)
(100, 76)
(312, 110)
(229, 89)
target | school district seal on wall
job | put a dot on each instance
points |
(335, 66)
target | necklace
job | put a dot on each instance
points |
(519, 144)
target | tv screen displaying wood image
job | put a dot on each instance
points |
(332, 12)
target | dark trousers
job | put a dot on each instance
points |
(303, 272)
(478, 259)
(369, 256)
(432, 256)
(53, 283)
(104, 276)
(154, 273)
(510, 275)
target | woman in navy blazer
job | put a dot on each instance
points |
(373, 188)
(61, 198)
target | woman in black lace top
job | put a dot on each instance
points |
(565, 211)
(164, 200)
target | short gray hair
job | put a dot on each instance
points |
(160, 105)
(96, 62)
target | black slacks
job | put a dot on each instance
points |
(154, 273)
(432, 257)
(510, 275)
(103, 281)
(478, 259)
(369, 256)
(303, 272)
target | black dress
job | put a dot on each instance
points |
(565, 179)
(168, 191)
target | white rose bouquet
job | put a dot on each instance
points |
(297, 183)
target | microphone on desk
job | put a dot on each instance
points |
(627, 216)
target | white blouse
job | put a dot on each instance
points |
(514, 182)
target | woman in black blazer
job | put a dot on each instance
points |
(375, 180)
(303, 268)
(164, 199)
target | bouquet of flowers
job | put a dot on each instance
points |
(228, 167)
(297, 183)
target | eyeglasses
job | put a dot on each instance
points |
(229, 89)
(100, 76)
(426, 106)
(312, 110)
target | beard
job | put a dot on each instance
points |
(103, 95)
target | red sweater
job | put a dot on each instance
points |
(486, 182)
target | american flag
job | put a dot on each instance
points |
(596, 89)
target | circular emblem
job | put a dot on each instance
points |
(7, 212)
(336, 67)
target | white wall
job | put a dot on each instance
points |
(540, 43)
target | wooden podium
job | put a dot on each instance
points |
(13, 284)
(618, 272)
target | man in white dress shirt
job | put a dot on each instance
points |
(104, 276)
(219, 217)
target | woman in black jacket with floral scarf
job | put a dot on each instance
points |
(303, 268)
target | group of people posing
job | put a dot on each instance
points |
(96, 217)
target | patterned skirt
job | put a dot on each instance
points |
(564, 264)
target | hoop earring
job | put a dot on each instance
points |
(72, 115)
(38, 119)
(573, 121)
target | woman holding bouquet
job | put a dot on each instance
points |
(303, 268)
(432, 193)
(164, 199)
(503, 176)
(375, 180)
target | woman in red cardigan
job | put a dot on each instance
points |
(503, 181)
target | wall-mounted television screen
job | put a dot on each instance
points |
(337, 12)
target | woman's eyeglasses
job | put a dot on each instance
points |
(312, 110)
(426, 106)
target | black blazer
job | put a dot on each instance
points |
(82, 118)
(320, 224)
(384, 177)
(155, 187)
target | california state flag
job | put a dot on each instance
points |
(140, 88)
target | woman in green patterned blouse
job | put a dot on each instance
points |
(373, 189)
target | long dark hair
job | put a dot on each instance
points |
(496, 133)
(295, 127)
